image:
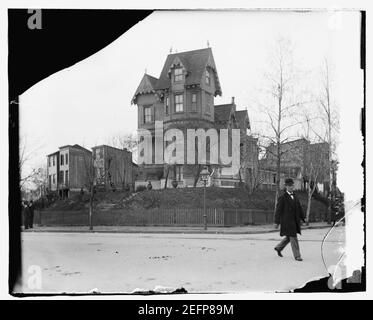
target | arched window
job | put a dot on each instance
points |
(208, 77)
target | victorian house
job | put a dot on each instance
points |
(183, 98)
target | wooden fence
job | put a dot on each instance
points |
(156, 217)
(160, 217)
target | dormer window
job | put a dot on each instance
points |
(208, 80)
(178, 74)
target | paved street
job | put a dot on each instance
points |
(123, 262)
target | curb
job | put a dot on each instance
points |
(171, 231)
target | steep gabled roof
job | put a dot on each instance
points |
(243, 119)
(195, 63)
(222, 112)
(147, 85)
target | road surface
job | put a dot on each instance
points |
(122, 263)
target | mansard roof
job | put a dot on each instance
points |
(147, 85)
(194, 62)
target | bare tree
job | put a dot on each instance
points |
(124, 141)
(127, 141)
(330, 117)
(315, 170)
(281, 103)
(26, 154)
(92, 176)
(40, 180)
(256, 177)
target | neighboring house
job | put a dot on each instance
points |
(53, 166)
(183, 98)
(296, 159)
(68, 169)
(113, 167)
(227, 117)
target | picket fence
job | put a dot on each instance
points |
(156, 217)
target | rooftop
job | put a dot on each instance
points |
(105, 145)
(194, 62)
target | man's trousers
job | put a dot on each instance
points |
(294, 245)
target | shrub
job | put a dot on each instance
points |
(140, 188)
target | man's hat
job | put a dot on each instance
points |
(289, 182)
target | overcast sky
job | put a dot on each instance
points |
(91, 101)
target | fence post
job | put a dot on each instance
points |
(215, 216)
(236, 217)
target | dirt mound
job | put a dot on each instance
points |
(215, 198)
(182, 198)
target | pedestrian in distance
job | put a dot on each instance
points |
(26, 214)
(149, 186)
(31, 207)
(289, 214)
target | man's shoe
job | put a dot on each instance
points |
(298, 259)
(279, 253)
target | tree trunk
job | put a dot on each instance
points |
(91, 208)
(308, 208)
(278, 173)
(196, 177)
(166, 180)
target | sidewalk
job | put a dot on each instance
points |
(171, 229)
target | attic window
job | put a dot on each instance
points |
(178, 74)
(208, 77)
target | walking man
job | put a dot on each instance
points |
(289, 214)
(26, 214)
(31, 214)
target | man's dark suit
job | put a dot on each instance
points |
(289, 214)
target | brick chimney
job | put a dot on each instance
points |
(233, 104)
